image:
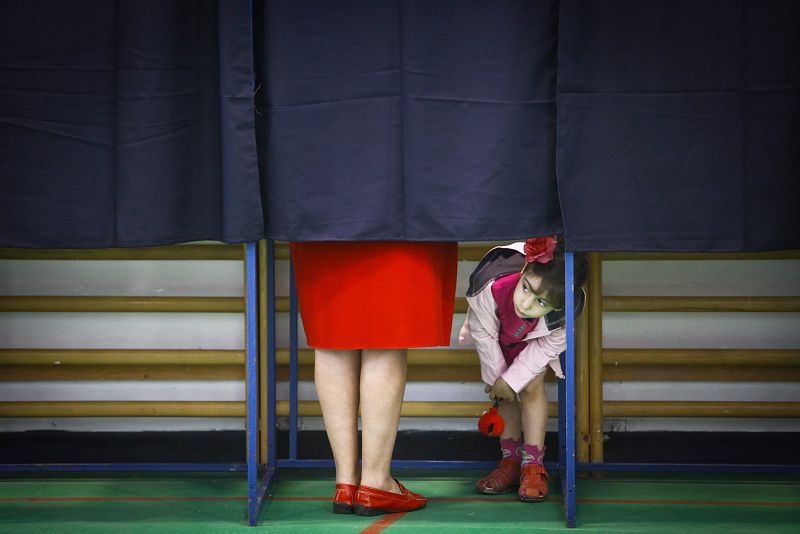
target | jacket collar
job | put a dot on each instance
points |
(508, 259)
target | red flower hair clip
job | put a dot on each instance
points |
(540, 249)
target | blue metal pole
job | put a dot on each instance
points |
(569, 409)
(292, 364)
(270, 473)
(252, 382)
(562, 418)
(271, 468)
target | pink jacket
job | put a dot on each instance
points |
(482, 325)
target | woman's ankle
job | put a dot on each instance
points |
(350, 478)
(385, 483)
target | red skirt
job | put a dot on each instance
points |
(376, 294)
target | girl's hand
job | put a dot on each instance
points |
(502, 391)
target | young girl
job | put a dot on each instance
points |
(516, 320)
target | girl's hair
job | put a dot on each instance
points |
(552, 274)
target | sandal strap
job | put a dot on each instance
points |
(534, 477)
(504, 475)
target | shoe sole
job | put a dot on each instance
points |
(341, 508)
(360, 509)
(486, 491)
(533, 499)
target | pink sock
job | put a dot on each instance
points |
(510, 447)
(532, 454)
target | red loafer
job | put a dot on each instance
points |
(372, 501)
(343, 498)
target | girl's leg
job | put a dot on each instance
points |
(533, 479)
(505, 475)
(383, 381)
(512, 422)
(533, 401)
(336, 374)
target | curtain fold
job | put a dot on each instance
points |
(408, 119)
(678, 124)
(667, 125)
(126, 124)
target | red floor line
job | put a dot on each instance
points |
(382, 523)
(274, 498)
(435, 499)
(477, 499)
(629, 501)
(705, 503)
(55, 499)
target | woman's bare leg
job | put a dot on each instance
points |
(383, 382)
(336, 374)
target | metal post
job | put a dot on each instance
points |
(252, 382)
(292, 364)
(568, 483)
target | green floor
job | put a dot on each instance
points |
(213, 502)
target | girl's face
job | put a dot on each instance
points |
(528, 303)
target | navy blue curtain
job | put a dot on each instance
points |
(126, 123)
(408, 119)
(673, 125)
(679, 124)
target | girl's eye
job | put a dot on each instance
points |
(542, 303)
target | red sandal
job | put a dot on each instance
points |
(503, 479)
(533, 483)
(343, 498)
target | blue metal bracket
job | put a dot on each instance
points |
(566, 403)
(565, 465)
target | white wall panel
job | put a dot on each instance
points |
(122, 330)
(225, 331)
(216, 278)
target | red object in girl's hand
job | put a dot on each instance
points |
(491, 423)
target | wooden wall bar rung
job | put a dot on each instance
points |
(684, 256)
(121, 304)
(700, 409)
(416, 373)
(220, 409)
(425, 373)
(123, 409)
(119, 357)
(466, 251)
(282, 305)
(411, 409)
(474, 252)
(702, 357)
(210, 251)
(701, 304)
(724, 373)
(122, 372)
(421, 357)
